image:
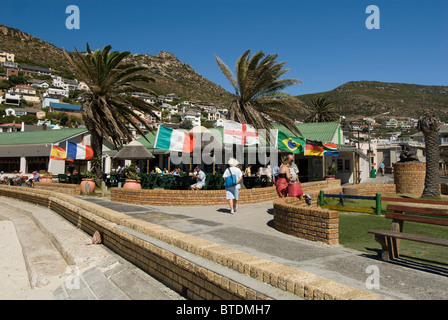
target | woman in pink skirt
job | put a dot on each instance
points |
(283, 178)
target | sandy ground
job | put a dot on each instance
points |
(14, 276)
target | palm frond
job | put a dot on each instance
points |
(259, 99)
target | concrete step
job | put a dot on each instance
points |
(42, 260)
(62, 262)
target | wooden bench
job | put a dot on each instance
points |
(389, 239)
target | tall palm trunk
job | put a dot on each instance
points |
(429, 125)
(96, 142)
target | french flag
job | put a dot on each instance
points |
(78, 151)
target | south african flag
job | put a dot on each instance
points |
(331, 149)
(292, 144)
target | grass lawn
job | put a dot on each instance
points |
(353, 227)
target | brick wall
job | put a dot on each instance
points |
(182, 272)
(161, 197)
(371, 189)
(291, 216)
(67, 188)
(444, 188)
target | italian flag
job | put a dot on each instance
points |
(174, 140)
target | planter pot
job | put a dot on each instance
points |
(46, 180)
(409, 177)
(87, 186)
(329, 177)
(132, 184)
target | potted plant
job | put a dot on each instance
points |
(132, 177)
(331, 171)
(87, 181)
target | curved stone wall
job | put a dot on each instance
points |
(293, 217)
(161, 197)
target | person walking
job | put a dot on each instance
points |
(233, 192)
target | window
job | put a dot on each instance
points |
(38, 164)
(9, 164)
(343, 164)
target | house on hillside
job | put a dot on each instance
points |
(10, 99)
(56, 93)
(69, 109)
(443, 137)
(66, 84)
(10, 127)
(39, 84)
(12, 68)
(6, 56)
(33, 70)
(26, 92)
(18, 112)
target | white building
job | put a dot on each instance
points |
(39, 84)
(11, 99)
(195, 119)
(56, 93)
(65, 84)
(6, 56)
(82, 86)
(46, 102)
(19, 151)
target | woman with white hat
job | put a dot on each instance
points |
(233, 192)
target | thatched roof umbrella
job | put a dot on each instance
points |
(134, 151)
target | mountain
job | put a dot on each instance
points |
(353, 99)
(371, 98)
(171, 75)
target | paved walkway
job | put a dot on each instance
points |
(104, 275)
(251, 230)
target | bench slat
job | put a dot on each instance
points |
(407, 217)
(412, 237)
(422, 210)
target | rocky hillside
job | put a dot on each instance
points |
(353, 99)
(171, 75)
(370, 98)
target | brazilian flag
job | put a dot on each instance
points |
(292, 144)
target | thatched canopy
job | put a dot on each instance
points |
(134, 151)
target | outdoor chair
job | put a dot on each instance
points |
(62, 178)
(75, 179)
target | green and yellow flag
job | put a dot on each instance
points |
(292, 144)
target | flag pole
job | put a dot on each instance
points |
(49, 160)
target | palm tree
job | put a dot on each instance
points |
(259, 100)
(108, 107)
(321, 110)
(429, 124)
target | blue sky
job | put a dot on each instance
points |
(325, 43)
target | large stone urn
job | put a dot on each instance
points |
(409, 177)
(132, 184)
(87, 186)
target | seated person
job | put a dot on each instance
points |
(34, 178)
(199, 175)
(17, 178)
(3, 177)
